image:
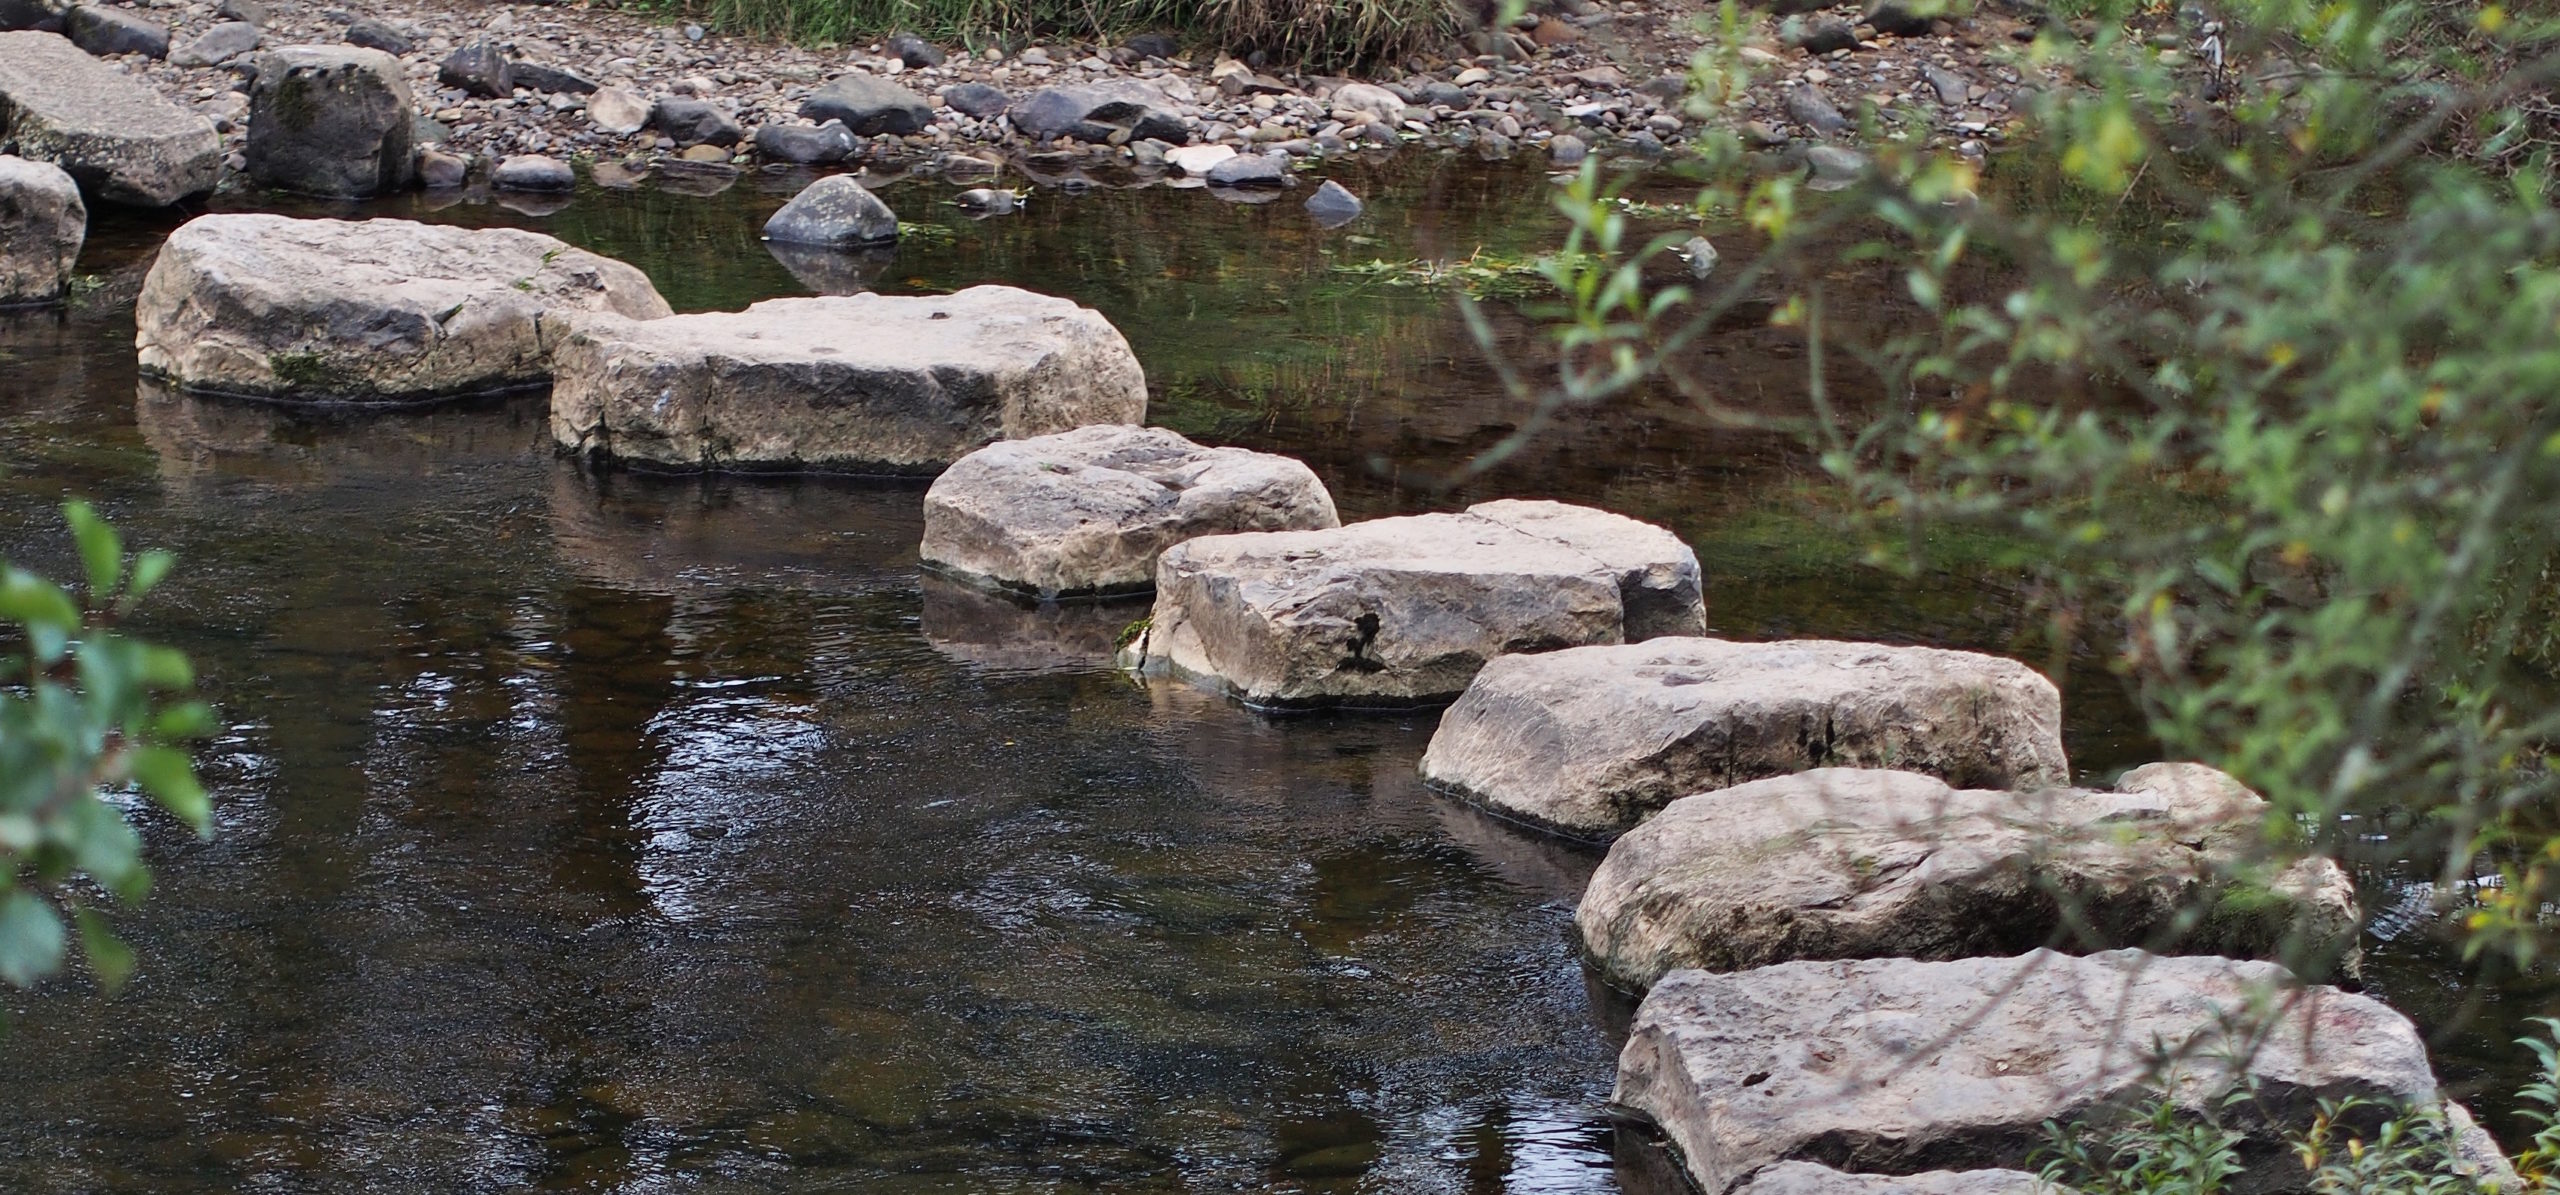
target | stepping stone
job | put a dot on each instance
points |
(1402, 612)
(1811, 1178)
(42, 223)
(1852, 863)
(368, 311)
(111, 131)
(331, 120)
(1589, 742)
(1087, 512)
(1888, 1066)
(862, 383)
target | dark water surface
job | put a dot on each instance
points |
(619, 832)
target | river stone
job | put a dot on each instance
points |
(106, 31)
(478, 69)
(330, 120)
(533, 172)
(915, 53)
(369, 311)
(1856, 863)
(695, 122)
(1370, 100)
(438, 170)
(868, 106)
(43, 15)
(380, 35)
(858, 382)
(977, 99)
(1098, 111)
(550, 79)
(42, 223)
(1087, 512)
(1892, 1066)
(1809, 1178)
(1198, 160)
(835, 212)
(110, 131)
(1591, 741)
(1807, 106)
(805, 144)
(1251, 170)
(615, 110)
(1403, 611)
(1333, 205)
(220, 43)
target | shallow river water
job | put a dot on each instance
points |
(603, 831)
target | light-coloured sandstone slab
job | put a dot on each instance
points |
(1404, 611)
(1590, 741)
(368, 311)
(855, 382)
(110, 131)
(1087, 512)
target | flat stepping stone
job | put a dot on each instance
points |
(368, 311)
(1812, 1178)
(1087, 512)
(1403, 611)
(1852, 863)
(1591, 741)
(864, 383)
(1890, 1066)
(111, 131)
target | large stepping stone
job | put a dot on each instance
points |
(368, 311)
(865, 383)
(1812, 1178)
(1589, 742)
(331, 120)
(42, 223)
(1851, 863)
(1404, 611)
(111, 131)
(1894, 1066)
(1087, 512)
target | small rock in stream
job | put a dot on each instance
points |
(1333, 205)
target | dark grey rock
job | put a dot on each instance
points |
(330, 120)
(1821, 36)
(869, 107)
(1807, 106)
(221, 43)
(1251, 170)
(1333, 205)
(914, 51)
(1648, 145)
(1900, 19)
(1567, 150)
(478, 69)
(378, 35)
(806, 144)
(1950, 86)
(242, 10)
(106, 31)
(41, 15)
(977, 99)
(1795, 8)
(695, 122)
(550, 78)
(1097, 111)
(835, 212)
(532, 172)
(1666, 86)
(1153, 45)
(1447, 95)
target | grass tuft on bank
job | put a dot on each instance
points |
(1318, 34)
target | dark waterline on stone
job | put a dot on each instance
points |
(593, 830)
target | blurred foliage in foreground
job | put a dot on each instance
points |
(87, 715)
(2252, 351)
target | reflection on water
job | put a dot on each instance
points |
(602, 831)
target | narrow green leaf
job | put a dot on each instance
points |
(149, 569)
(110, 960)
(169, 776)
(101, 551)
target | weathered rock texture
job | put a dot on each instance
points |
(858, 382)
(112, 132)
(1851, 863)
(1896, 1066)
(42, 223)
(1404, 611)
(1087, 512)
(1809, 1178)
(330, 120)
(371, 311)
(1591, 741)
